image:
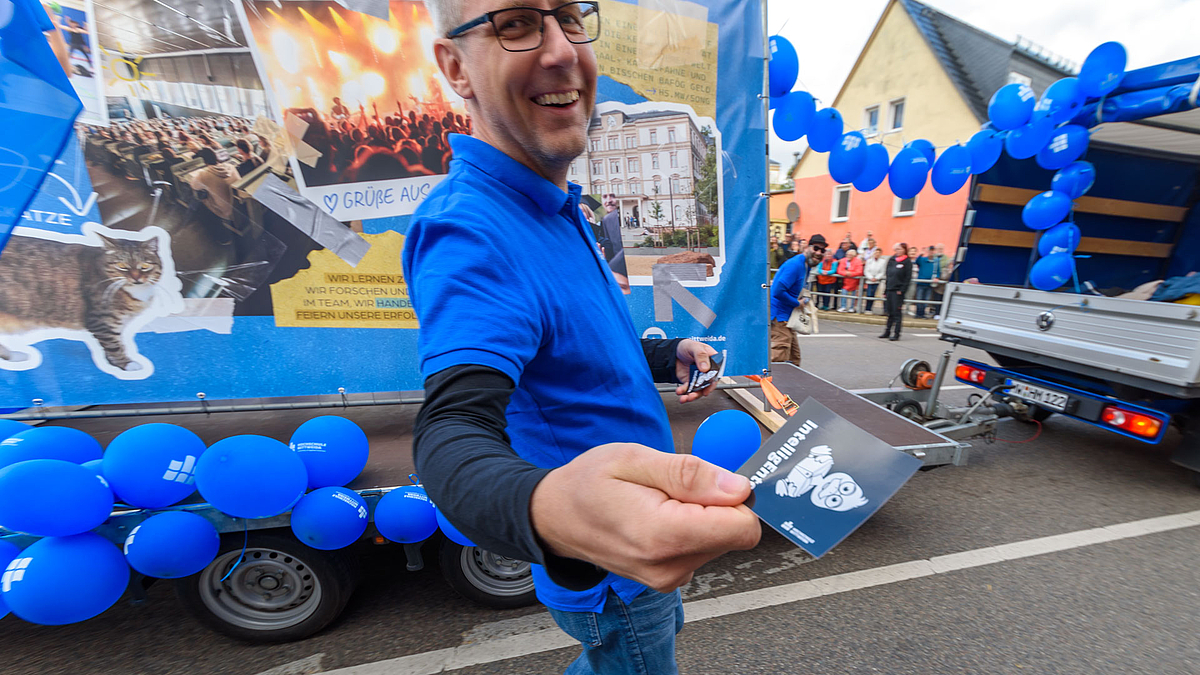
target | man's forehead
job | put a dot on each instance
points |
(472, 8)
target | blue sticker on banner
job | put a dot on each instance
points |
(819, 477)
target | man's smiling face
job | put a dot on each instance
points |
(533, 105)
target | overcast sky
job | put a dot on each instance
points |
(828, 36)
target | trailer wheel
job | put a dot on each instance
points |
(487, 578)
(280, 592)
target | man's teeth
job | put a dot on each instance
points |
(557, 99)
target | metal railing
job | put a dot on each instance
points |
(858, 302)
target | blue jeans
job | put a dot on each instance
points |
(849, 299)
(924, 292)
(626, 639)
(871, 288)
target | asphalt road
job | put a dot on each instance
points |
(1128, 605)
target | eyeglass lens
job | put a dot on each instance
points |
(520, 29)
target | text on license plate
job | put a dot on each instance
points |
(1043, 397)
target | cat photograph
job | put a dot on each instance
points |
(99, 288)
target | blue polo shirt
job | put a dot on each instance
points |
(786, 287)
(504, 271)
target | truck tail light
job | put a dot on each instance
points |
(969, 374)
(1134, 422)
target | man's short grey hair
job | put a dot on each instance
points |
(445, 15)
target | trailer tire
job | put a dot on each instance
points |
(487, 578)
(281, 591)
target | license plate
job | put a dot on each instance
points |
(1044, 397)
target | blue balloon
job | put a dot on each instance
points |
(1026, 141)
(793, 115)
(12, 428)
(172, 545)
(1066, 144)
(251, 476)
(727, 438)
(952, 170)
(330, 518)
(875, 170)
(1074, 180)
(61, 580)
(452, 532)
(1046, 210)
(1062, 238)
(783, 67)
(153, 465)
(1052, 271)
(907, 175)
(1011, 106)
(96, 466)
(405, 515)
(826, 129)
(333, 449)
(52, 498)
(1061, 100)
(65, 443)
(985, 148)
(8, 552)
(1102, 70)
(848, 158)
(926, 148)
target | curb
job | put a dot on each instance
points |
(876, 319)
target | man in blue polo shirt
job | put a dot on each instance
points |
(786, 290)
(543, 436)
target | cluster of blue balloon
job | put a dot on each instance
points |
(59, 484)
(851, 158)
(1044, 131)
(1018, 123)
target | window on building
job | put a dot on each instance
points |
(653, 136)
(635, 187)
(674, 185)
(654, 160)
(1014, 76)
(670, 134)
(871, 121)
(614, 166)
(595, 144)
(619, 187)
(904, 207)
(631, 141)
(657, 185)
(683, 185)
(674, 160)
(678, 212)
(572, 168)
(597, 167)
(896, 115)
(633, 164)
(598, 187)
(614, 143)
(841, 204)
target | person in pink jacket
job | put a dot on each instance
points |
(851, 269)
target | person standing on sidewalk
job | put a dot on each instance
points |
(851, 269)
(786, 295)
(942, 275)
(875, 269)
(827, 282)
(928, 267)
(899, 274)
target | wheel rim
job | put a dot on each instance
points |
(496, 574)
(269, 590)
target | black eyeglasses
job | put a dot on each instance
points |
(523, 29)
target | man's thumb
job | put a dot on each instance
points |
(688, 479)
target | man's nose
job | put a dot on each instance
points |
(557, 50)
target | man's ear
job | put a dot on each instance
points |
(450, 61)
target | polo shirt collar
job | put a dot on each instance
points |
(512, 173)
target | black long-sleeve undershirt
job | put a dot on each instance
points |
(466, 462)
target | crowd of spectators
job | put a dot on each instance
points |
(359, 146)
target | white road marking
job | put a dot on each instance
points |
(544, 640)
(925, 334)
(309, 665)
(828, 335)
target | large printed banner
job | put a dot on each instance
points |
(236, 230)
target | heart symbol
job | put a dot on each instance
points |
(330, 202)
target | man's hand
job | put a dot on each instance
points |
(687, 353)
(646, 515)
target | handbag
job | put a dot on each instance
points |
(803, 319)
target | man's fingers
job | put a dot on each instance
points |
(684, 478)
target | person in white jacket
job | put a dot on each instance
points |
(873, 273)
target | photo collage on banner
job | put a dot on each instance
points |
(235, 225)
(75, 46)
